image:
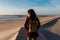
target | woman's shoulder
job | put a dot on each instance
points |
(27, 18)
(37, 18)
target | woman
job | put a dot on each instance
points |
(31, 17)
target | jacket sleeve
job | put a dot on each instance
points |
(26, 22)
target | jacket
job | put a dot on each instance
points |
(25, 25)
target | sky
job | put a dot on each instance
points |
(20, 7)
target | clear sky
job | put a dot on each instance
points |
(20, 7)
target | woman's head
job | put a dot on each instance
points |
(31, 13)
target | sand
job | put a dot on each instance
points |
(9, 28)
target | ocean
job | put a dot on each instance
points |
(6, 17)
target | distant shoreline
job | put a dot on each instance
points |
(8, 17)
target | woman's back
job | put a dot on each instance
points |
(32, 24)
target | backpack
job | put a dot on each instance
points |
(32, 25)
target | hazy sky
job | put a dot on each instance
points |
(20, 7)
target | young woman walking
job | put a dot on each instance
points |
(32, 25)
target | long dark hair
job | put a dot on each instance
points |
(32, 14)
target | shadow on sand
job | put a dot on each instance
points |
(48, 35)
(49, 24)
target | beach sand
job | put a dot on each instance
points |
(9, 28)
